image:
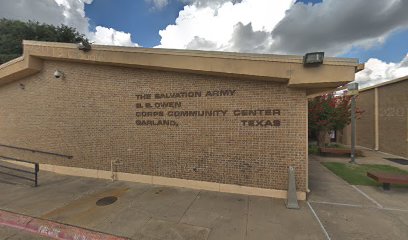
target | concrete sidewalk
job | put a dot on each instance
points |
(335, 210)
(145, 211)
(356, 212)
(370, 157)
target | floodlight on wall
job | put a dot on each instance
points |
(313, 59)
(58, 74)
(84, 45)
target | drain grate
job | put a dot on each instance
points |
(398, 160)
(106, 201)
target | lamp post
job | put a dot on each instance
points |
(353, 91)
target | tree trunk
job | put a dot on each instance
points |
(321, 138)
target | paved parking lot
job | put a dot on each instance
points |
(335, 210)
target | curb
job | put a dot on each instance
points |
(51, 229)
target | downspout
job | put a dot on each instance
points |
(376, 120)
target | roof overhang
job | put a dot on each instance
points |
(278, 68)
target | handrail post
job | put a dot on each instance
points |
(36, 169)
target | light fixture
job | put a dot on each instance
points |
(313, 59)
(84, 45)
(58, 74)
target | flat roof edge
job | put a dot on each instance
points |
(396, 80)
(18, 68)
(198, 53)
(277, 68)
(11, 62)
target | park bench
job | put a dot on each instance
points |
(387, 178)
(338, 151)
(335, 151)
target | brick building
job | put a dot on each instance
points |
(209, 120)
(384, 124)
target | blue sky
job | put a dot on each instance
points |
(144, 22)
(393, 50)
(136, 17)
(374, 31)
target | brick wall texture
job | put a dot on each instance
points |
(91, 115)
(393, 118)
(365, 135)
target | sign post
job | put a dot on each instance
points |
(353, 91)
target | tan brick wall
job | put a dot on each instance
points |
(393, 108)
(365, 135)
(344, 135)
(393, 119)
(91, 115)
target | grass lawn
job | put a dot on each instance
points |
(356, 174)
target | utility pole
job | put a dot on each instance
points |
(353, 90)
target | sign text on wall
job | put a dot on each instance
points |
(153, 106)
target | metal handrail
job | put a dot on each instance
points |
(37, 151)
(36, 169)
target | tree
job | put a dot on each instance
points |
(329, 112)
(13, 32)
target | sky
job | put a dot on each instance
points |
(374, 31)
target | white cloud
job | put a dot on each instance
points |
(47, 11)
(209, 3)
(74, 13)
(377, 71)
(333, 26)
(201, 44)
(158, 4)
(283, 27)
(217, 23)
(68, 12)
(336, 26)
(109, 36)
